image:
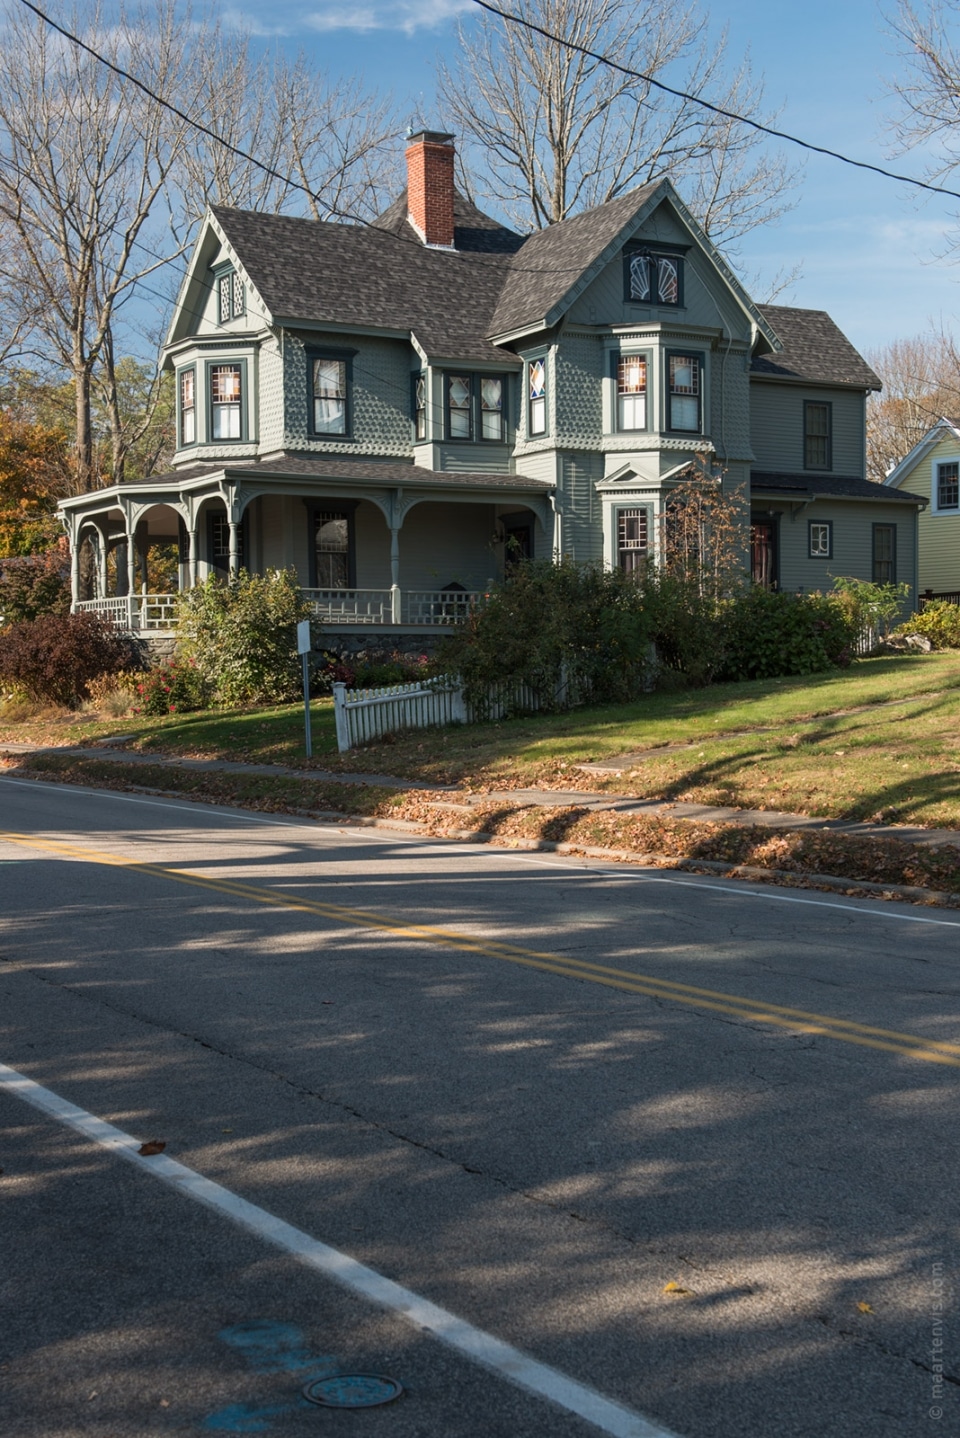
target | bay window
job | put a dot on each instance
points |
(631, 392)
(188, 407)
(226, 401)
(683, 393)
(537, 395)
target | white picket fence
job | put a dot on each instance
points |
(363, 715)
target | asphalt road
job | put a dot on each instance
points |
(687, 1145)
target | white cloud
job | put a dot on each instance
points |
(247, 24)
(406, 15)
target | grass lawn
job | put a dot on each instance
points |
(897, 762)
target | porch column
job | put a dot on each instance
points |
(192, 558)
(75, 566)
(143, 548)
(131, 559)
(234, 548)
(396, 519)
(102, 549)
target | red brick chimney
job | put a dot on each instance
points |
(430, 187)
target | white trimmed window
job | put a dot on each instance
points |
(821, 539)
(226, 399)
(631, 539)
(948, 485)
(188, 407)
(683, 398)
(329, 396)
(632, 392)
(537, 377)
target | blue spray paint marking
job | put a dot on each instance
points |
(268, 1347)
(247, 1417)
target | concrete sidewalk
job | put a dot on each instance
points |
(449, 797)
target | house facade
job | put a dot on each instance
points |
(932, 470)
(400, 411)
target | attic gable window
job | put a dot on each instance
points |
(231, 297)
(651, 278)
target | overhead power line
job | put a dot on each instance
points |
(708, 105)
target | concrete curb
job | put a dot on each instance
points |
(787, 878)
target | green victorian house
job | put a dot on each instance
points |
(399, 409)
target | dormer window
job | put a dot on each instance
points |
(329, 396)
(231, 297)
(475, 407)
(652, 278)
(226, 401)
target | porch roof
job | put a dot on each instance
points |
(806, 487)
(300, 470)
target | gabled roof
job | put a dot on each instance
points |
(805, 487)
(930, 440)
(814, 351)
(364, 276)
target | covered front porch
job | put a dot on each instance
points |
(370, 551)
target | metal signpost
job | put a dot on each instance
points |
(303, 649)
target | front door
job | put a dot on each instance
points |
(764, 553)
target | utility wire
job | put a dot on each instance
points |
(708, 105)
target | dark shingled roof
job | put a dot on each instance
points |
(343, 468)
(553, 259)
(473, 231)
(814, 350)
(827, 486)
(362, 275)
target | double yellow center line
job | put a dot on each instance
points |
(716, 1001)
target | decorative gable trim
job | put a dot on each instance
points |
(921, 449)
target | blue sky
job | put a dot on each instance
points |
(868, 247)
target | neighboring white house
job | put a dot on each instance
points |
(395, 410)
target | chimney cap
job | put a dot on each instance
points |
(430, 137)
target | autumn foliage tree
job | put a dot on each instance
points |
(34, 474)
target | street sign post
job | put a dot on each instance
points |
(303, 649)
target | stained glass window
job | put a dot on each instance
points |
(684, 395)
(668, 281)
(333, 549)
(632, 392)
(420, 406)
(631, 539)
(639, 278)
(458, 402)
(329, 396)
(225, 400)
(948, 486)
(491, 408)
(538, 396)
(188, 408)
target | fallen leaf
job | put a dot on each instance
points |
(164, 1402)
(864, 1308)
(677, 1289)
(226, 1130)
(151, 1147)
(91, 1396)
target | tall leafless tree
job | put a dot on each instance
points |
(921, 384)
(87, 157)
(554, 131)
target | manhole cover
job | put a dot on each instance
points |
(353, 1390)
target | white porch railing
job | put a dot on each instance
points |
(137, 613)
(352, 606)
(438, 606)
(142, 613)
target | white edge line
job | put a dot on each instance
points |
(473, 1343)
(742, 890)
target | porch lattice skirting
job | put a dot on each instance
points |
(363, 715)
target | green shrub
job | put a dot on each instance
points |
(55, 657)
(871, 607)
(939, 622)
(241, 635)
(687, 629)
(172, 688)
(767, 634)
(571, 633)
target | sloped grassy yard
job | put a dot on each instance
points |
(879, 741)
